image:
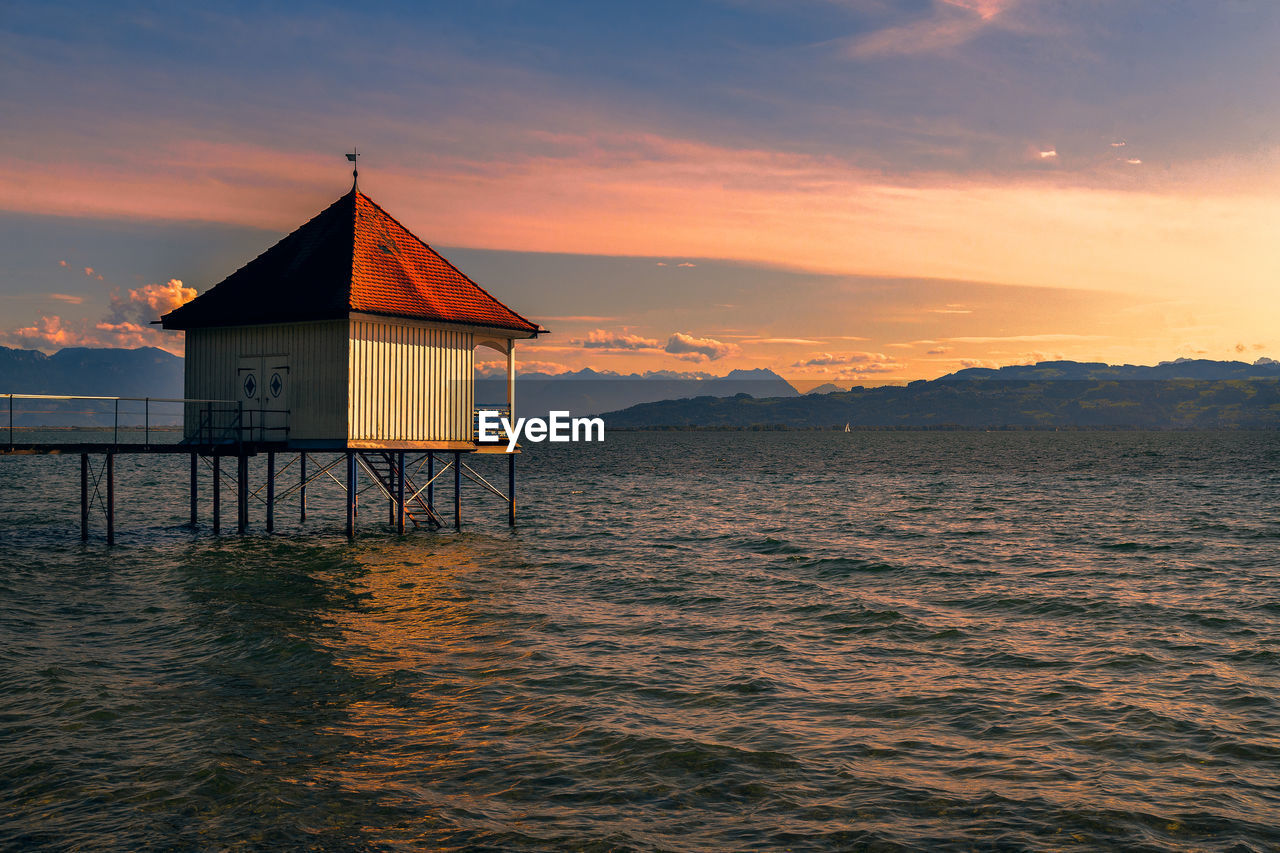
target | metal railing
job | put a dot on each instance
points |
(235, 424)
(60, 418)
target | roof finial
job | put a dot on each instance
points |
(355, 171)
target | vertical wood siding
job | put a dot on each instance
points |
(409, 382)
(317, 355)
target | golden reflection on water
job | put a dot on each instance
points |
(423, 639)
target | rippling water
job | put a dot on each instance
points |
(805, 641)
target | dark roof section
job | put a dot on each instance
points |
(352, 256)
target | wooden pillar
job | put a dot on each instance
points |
(351, 495)
(271, 491)
(111, 498)
(457, 491)
(242, 493)
(400, 492)
(84, 497)
(431, 486)
(217, 493)
(511, 489)
(302, 490)
(195, 466)
(511, 381)
(391, 487)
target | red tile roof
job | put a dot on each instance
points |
(351, 257)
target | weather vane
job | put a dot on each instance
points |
(355, 170)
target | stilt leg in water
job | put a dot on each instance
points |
(457, 491)
(111, 498)
(84, 497)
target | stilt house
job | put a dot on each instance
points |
(348, 334)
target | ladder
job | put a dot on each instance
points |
(381, 466)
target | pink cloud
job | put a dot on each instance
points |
(699, 349)
(624, 193)
(985, 9)
(952, 23)
(67, 297)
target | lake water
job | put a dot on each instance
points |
(692, 641)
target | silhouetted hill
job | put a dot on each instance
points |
(1183, 368)
(826, 388)
(1175, 396)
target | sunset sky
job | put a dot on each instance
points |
(865, 190)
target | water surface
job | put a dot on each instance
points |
(693, 641)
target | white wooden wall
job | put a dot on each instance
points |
(410, 382)
(318, 371)
(360, 379)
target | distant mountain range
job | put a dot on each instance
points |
(150, 372)
(89, 371)
(590, 392)
(1184, 394)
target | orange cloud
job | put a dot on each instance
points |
(699, 349)
(601, 339)
(144, 304)
(48, 333)
(1163, 233)
(127, 322)
(498, 370)
(826, 359)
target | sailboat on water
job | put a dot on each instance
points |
(846, 428)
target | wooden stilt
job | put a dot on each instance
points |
(400, 492)
(84, 497)
(217, 494)
(302, 490)
(511, 489)
(195, 463)
(271, 491)
(391, 487)
(242, 493)
(351, 495)
(431, 486)
(457, 491)
(111, 498)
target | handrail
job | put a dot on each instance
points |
(234, 431)
(128, 399)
